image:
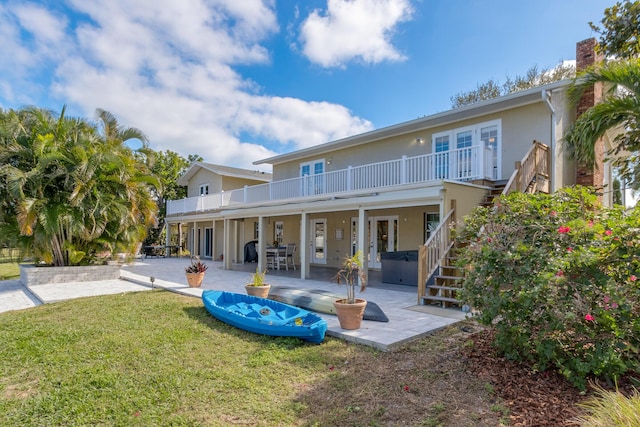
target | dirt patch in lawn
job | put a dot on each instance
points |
(452, 378)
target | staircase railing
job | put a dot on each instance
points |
(534, 165)
(434, 250)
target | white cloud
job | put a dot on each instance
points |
(45, 27)
(167, 68)
(354, 29)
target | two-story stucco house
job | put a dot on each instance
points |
(393, 188)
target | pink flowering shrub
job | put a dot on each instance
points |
(556, 276)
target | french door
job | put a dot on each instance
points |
(208, 242)
(383, 237)
(313, 177)
(319, 241)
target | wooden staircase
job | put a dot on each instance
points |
(497, 188)
(439, 279)
(443, 287)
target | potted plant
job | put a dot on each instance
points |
(351, 309)
(257, 287)
(195, 272)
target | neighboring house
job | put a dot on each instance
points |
(392, 188)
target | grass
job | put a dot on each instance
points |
(610, 408)
(147, 358)
(157, 358)
(9, 271)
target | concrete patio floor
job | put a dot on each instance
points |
(407, 320)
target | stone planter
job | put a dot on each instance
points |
(258, 291)
(350, 315)
(31, 275)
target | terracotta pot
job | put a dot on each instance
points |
(258, 291)
(350, 315)
(195, 279)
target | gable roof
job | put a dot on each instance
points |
(506, 102)
(223, 171)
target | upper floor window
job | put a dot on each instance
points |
(441, 143)
(464, 139)
(486, 135)
(314, 170)
(314, 167)
(204, 189)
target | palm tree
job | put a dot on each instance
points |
(619, 110)
(72, 191)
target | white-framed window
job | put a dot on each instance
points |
(278, 233)
(431, 222)
(487, 135)
(441, 144)
(204, 189)
(313, 174)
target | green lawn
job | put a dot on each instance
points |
(9, 271)
(148, 358)
(157, 358)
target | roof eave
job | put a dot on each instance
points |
(502, 103)
(191, 171)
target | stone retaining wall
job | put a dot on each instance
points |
(31, 275)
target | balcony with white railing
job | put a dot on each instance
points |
(464, 164)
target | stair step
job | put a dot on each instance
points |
(448, 277)
(444, 288)
(452, 267)
(442, 299)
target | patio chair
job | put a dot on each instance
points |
(289, 256)
(271, 260)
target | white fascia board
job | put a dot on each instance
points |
(507, 102)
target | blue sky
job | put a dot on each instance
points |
(240, 80)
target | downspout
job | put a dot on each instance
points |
(546, 97)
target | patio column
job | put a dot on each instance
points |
(167, 239)
(213, 240)
(262, 243)
(227, 245)
(194, 239)
(363, 241)
(304, 246)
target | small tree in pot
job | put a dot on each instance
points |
(257, 287)
(351, 309)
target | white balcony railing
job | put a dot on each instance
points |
(459, 165)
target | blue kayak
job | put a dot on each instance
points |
(264, 316)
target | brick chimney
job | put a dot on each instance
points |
(586, 56)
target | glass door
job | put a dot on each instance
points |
(312, 174)
(208, 242)
(318, 241)
(383, 237)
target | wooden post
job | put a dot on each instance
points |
(422, 273)
(453, 207)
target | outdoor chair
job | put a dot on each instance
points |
(271, 260)
(288, 258)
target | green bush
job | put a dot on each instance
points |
(557, 275)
